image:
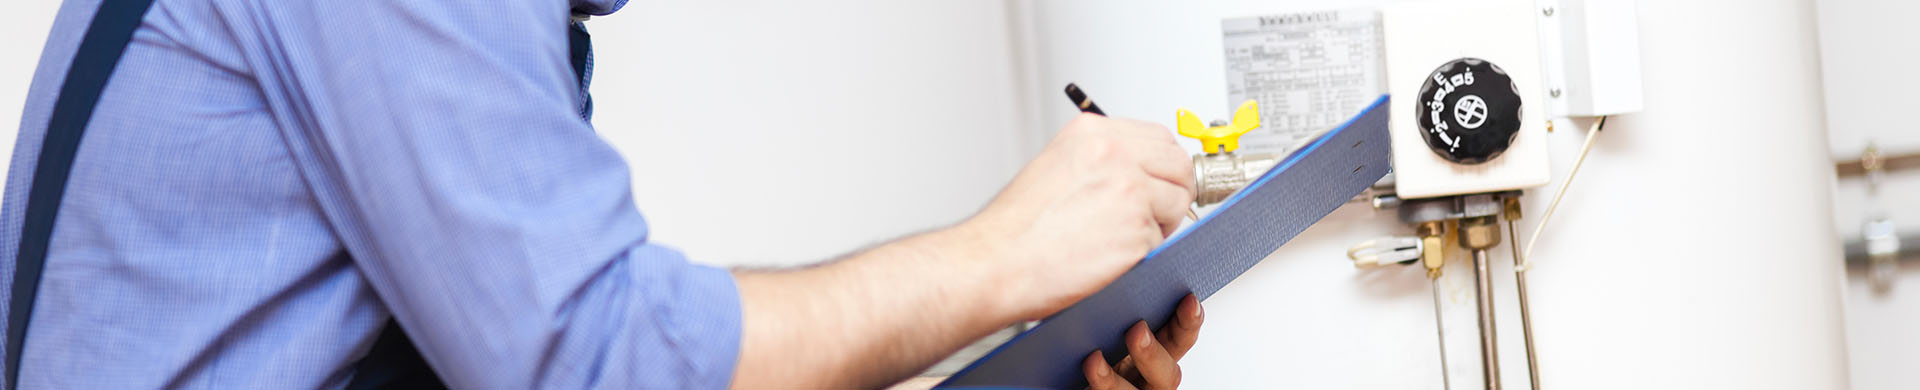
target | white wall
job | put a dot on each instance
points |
(23, 31)
(785, 132)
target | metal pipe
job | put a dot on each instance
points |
(1875, 160)
(1440, 325)
(1857, 256)
(1526, 319)
(1526, 330)
(1489, 350)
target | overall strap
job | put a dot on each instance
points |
(107, 38)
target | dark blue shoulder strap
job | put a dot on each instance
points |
(100, 50)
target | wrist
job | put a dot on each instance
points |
(981, 257)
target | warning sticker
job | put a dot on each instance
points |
(1309, 71)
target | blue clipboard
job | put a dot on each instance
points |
(1249, 226)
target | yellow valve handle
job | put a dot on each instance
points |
(1223, 139)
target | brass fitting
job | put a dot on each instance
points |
(1432, 248)
(1479, 233)
(1512, 208)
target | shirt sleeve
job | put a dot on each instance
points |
(444, 143)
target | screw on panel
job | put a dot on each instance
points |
(1547, 11)
(1555, 93)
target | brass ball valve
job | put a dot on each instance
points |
(1220, 172)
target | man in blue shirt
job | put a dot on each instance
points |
(264, 184)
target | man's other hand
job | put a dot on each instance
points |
(1101, 195)
(1152, 363)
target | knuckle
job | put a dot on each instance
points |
(1137, 124)
(1083, 123)
(1078, 121)
(1175, 154)
(1155, 129)
(1165, 133)
(1174, 197)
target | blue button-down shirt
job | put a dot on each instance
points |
(266, 182)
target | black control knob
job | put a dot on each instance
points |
(1469, 111)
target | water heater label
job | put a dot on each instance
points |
(1309, 71)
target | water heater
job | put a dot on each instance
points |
(1695, 250)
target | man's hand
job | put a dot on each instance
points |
(1152, 363)
(1091, 205)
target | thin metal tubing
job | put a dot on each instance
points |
(1489, 350)
(1440, 325)
(1526, 319)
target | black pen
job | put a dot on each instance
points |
(1080, 100)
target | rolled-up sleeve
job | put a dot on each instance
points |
(444, 143)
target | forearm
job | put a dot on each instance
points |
(1096, 200)
(873, 318)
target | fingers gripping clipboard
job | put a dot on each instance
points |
(1306, 186)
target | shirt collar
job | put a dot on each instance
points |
(597, 7)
